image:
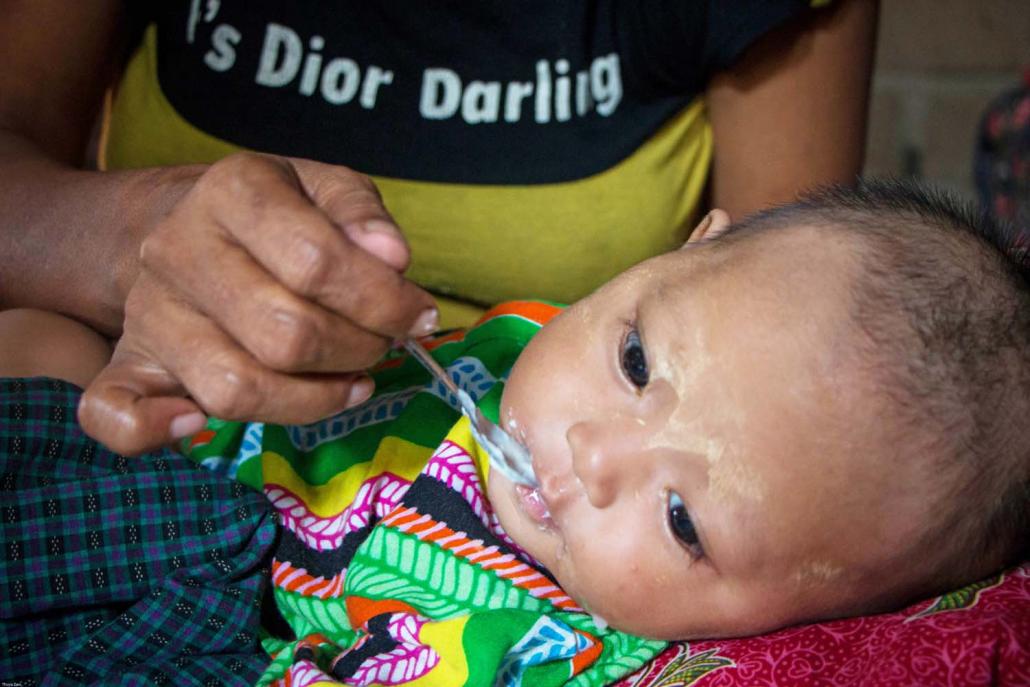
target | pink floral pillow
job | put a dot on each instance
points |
(978, 635)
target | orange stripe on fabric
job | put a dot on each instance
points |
(422, 526)
(470, 550)
(401, 516)
(439, 534)
(298, 581)
(389, 364)
(202, 437)
(361, 609)
(534, 311)
(585, 658)
(456, 335)
(315, 639)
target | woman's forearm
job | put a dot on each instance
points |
(69, 239)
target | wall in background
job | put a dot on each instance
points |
(939, 64)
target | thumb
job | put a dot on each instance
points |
(134, 406)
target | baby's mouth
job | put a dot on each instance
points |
(533, 504)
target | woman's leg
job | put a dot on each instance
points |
(36, 343)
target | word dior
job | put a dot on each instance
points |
(556, 93)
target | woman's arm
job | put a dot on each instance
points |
(791, 113)
(243, 289)
(68, 238)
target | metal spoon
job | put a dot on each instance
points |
(505, 452)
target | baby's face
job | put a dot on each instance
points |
(710, 463)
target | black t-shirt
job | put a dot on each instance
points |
(483, 91)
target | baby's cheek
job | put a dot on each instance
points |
(609, 576)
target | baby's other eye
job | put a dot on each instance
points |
(682, 526)
(633, 360)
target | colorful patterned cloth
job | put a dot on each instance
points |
(121, 570)
(393, 568)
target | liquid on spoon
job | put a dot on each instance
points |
(506, 454)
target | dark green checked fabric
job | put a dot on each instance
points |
(121, 571)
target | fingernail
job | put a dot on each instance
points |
(378, 226)
(185, 425)
(426, 323)
(360, 391)
(703, 227)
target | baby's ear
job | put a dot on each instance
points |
(711, 225)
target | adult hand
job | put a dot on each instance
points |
(259, 297)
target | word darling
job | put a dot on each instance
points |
(555, 92)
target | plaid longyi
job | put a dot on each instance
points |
(146, 570)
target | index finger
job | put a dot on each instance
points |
(307, 252)
(353, 202)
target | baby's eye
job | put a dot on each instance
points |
(682, 526)
(633, 360)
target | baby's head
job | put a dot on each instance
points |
(818, 412)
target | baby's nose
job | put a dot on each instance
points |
(597, 462)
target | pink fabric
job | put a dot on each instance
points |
(979, 635)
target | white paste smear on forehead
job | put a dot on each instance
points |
(726, 475)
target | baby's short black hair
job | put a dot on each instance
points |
(942, 303)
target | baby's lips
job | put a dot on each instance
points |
(534, 504)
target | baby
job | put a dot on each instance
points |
(815, 413)
(819, 412)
